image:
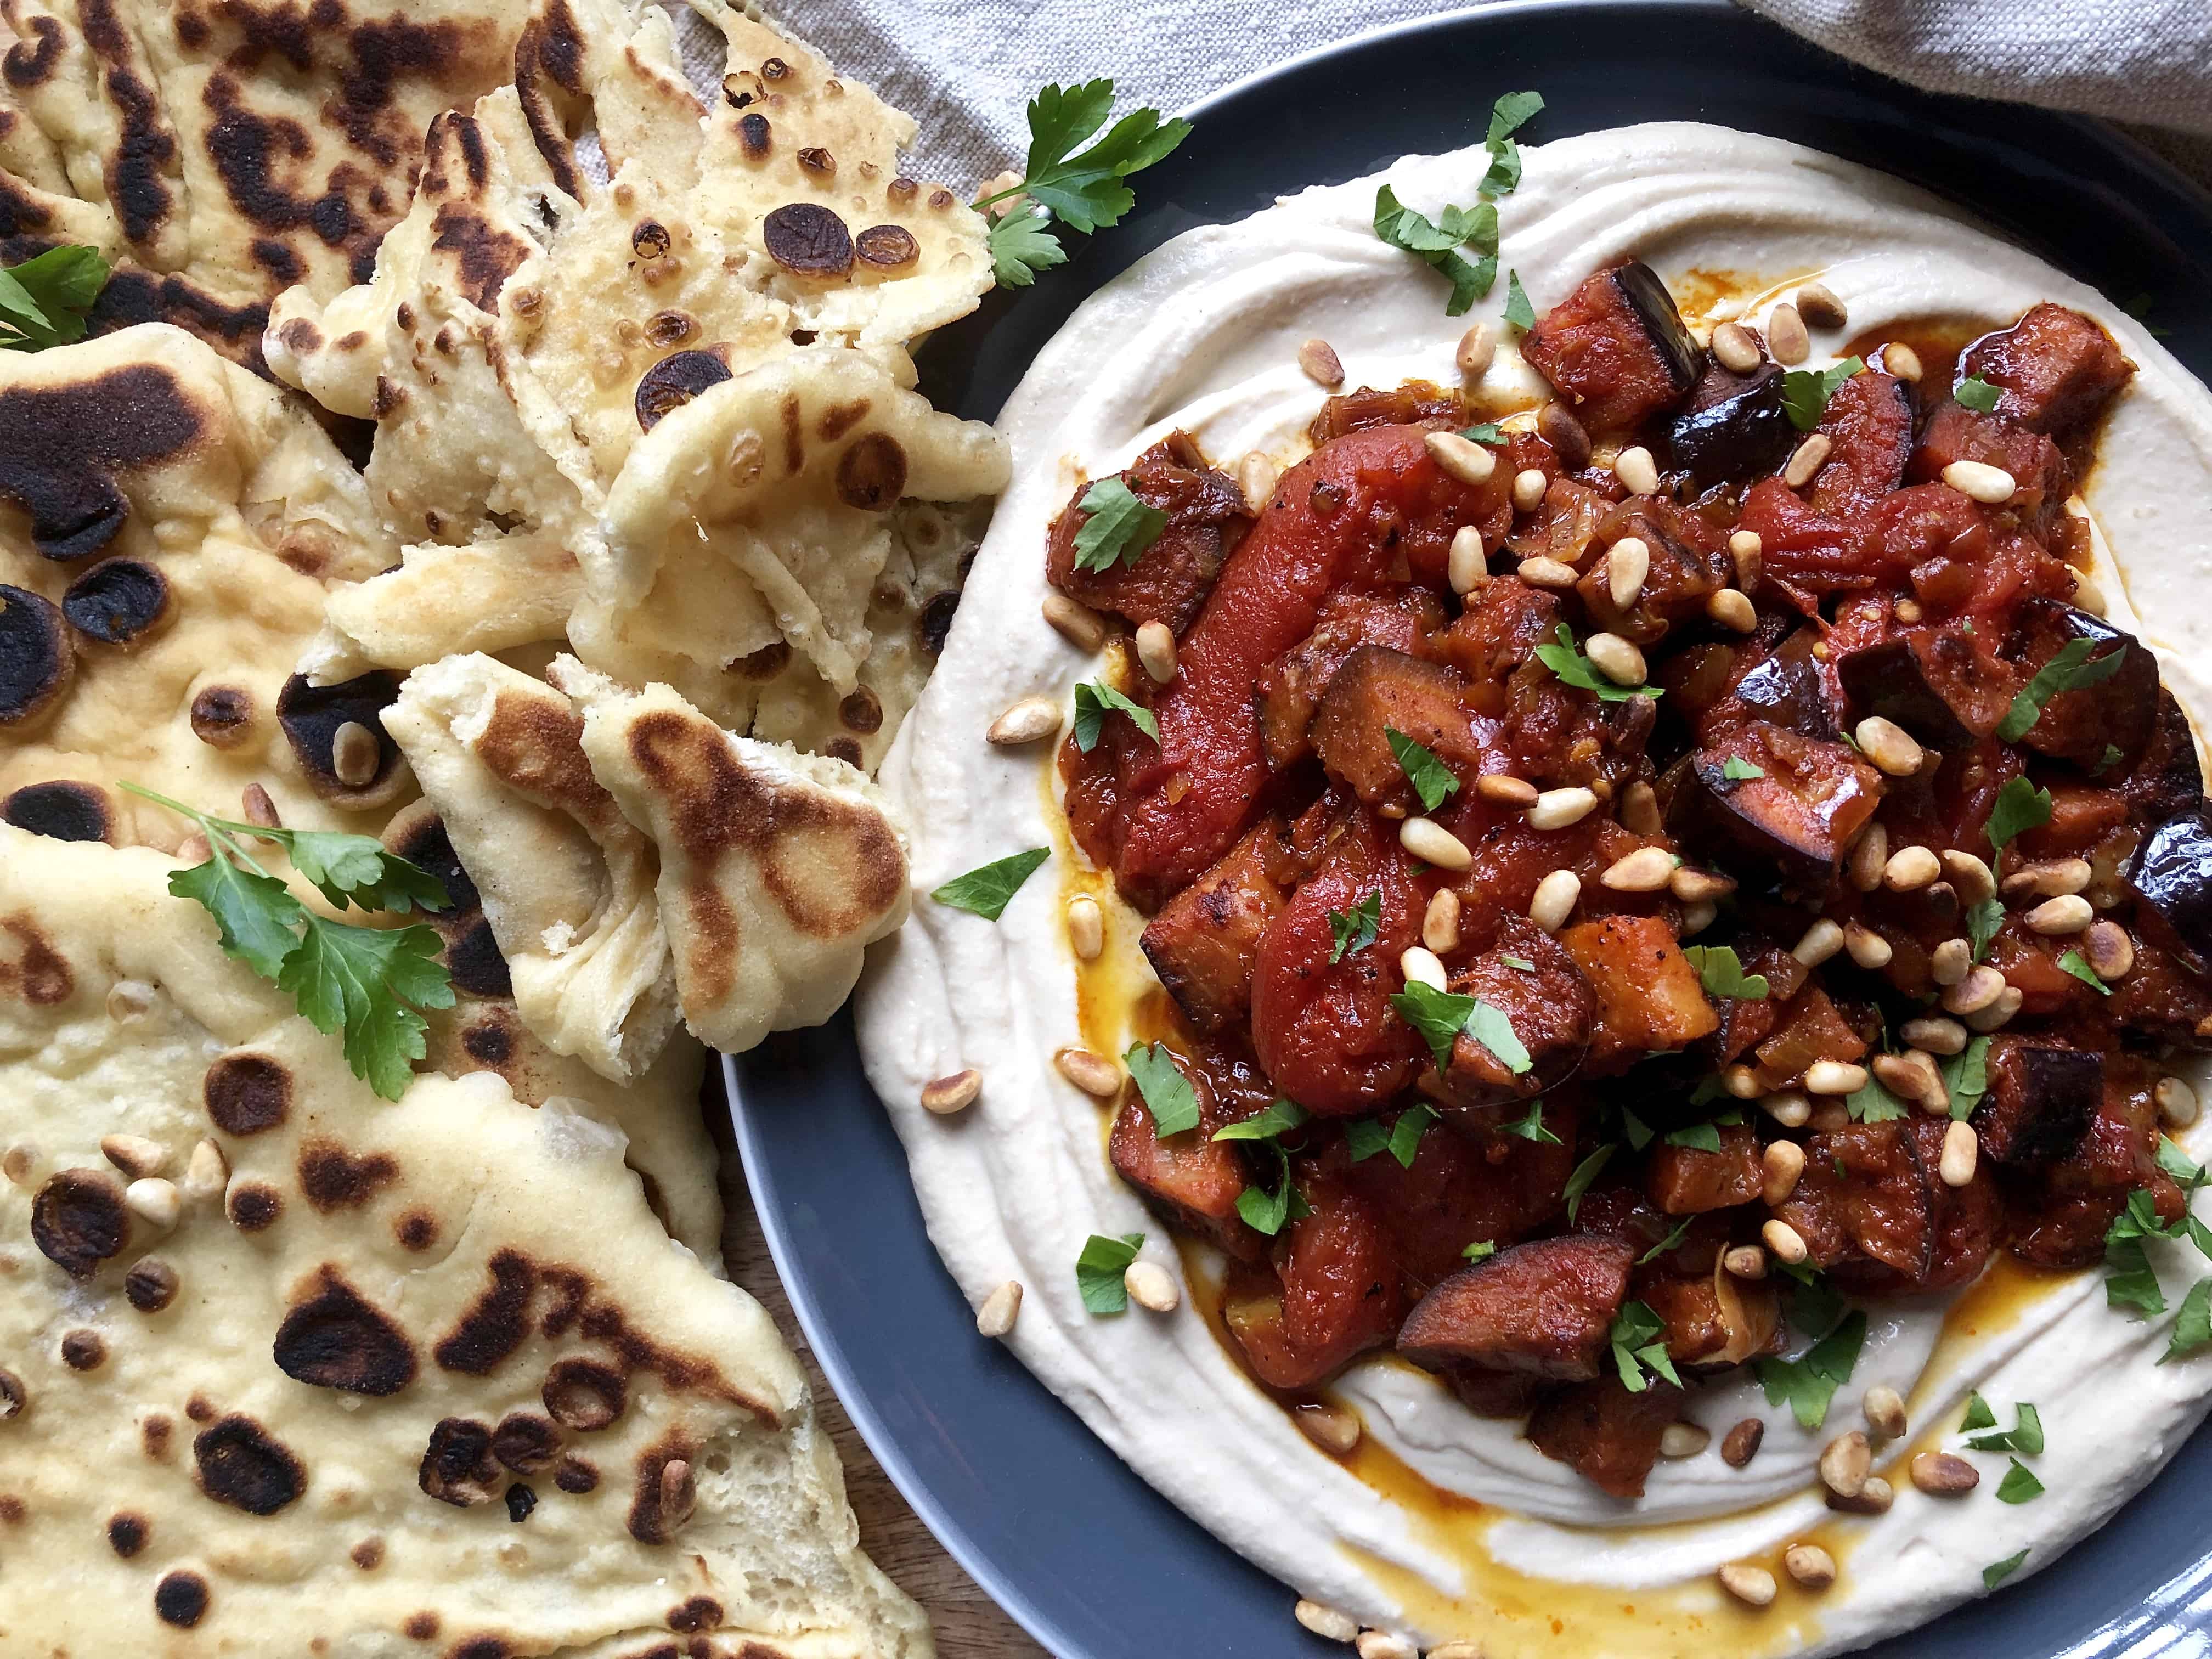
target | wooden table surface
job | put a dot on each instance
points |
(969, 1624)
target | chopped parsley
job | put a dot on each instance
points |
(1806, 391)
(1814, 1306)
(1440, 1016)
(988, 890)
(1095, 700)
(1353, 930)
(1585, 1172)
(1366, 1136)
(1084, 191)
(1966, 1077)
(1168, 1094)
(1099, 1268)
(2112, 757)
(1439, 240)
(2019, 805)
(1489, 432)
(1978, 395)
(1519, 311)
(1530, 1127)
(1809, 1384)
(1278, 1117)
(1638, 1132)
(1570, 666)
(2026, 1434)
(1639, 1348)
(1720, 972)
(1266, 1210)
(1120, 528)
(1431, 778)
(2020, 1484)
(2193, 1326)
(1737, 770)
(1522, 963)
(2069, 670)
(2075, 962)
(1984, 921)
(1997, 1572)
(1698, 1137)
(1481, 1250)
(1676, 1235)
(2132, 1282)
(1511, 111)
(1873, 1103)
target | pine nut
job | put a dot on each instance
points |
(1732, 609)
(1821, 940)
(1873, 1499)
(1555, 900)
(1698, 915)
(1809, 1566)
(2068, 913)
(1888, 746)
(1555, 809)
(1741, 1082)
(1870, 857)
(1752, 1586)
(1738, 351)
(1834, 1077)
(1786, 338)
(1615, 658)
(955, 1093)
(2000, 1013)
(1440, 922)
(1318, 358)
(1639, 814)
(1906, 611)
(995, 1318)
(1845, 1463)
(1420, 966)
(1787, 1107)
(2177, 1103)
(206, 1173)
(1969, 877)
(1961, 1150)
(1467, 566)
(1078, 624)
(2087, 595)
(135, 1155)
(2047, 879)
(1992, 486)
(1255, 480)
(154, 1201)
(1980, 988)
(1645, 870)
(1911, 868)
(1461, 458)
(1782, 1239)
(1326, 1622)
(1935, 1034)
(1431, 842)
(1748, 551)
(1901, 360)
(1457, 1650)
(1330, 1427)
(2109, 949)
(1478, 348)
(1156, 650)
(1885, 1412)
(355, 754)
(1026, 721)
(1546, 573)
(1528, 487)
(1780, 1165)
(1818, 305)
(1086, 927)
(1740, 1443)
(1866, 947)
(1092, 1073)
(257, 809)
(1679, 1440)
(1807, 459)
(1505, 789)
(1557, 427)
(1385, 1644)
(1152, 1287)
(1951, 961)
(1744, 1262)
(1690, 884)
(1627, 562)
(1912, 1076)
(1637, 472)
(1944, 1474)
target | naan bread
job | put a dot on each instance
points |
(777, 869)
(169, 525)
(567, 882)
(288, 1369)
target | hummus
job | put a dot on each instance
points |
(1203, 334)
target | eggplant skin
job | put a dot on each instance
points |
(2172, 872)
(2040, 1101)
(1929, 682)
(1640, 285)
(2120, 712)
(1735, 426)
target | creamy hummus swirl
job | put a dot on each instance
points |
(1203, 334)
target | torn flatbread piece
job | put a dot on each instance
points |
(566, 882)
(318, 1372)
(777, 869)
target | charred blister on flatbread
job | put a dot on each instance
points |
(223, 715)
(36, 661)
(334, 1339)
(457, 1466)
(312, 717)
(808, 239)
(120, 602)
(84, 1350)
(253, 1206)
(674, 382)
(872, 473)
(241, 1465)
(666, 1493)
(887, 249)
(181, 1599)
(78, 1220)
(61, 447)
(334, 1179)
(40, 974)
(247, 1093)
(150, 1285)
(61, 810)
(525, 1443)
(585, 1394)
(496, 1324)
(521, 1501)
(474, 960)
(14, 1397)
(127, 1532)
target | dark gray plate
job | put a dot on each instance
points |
(1084, 1554)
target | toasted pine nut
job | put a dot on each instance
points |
(1645, 870)
(1318, 358)
(1873, 1499)
(1418, 964)
(135, 1155)
(1327, 1622)
(1627, 562)
(1505, 789)
(355, 754)
(1961, 1150)
(1156, 650)
(1637, 472)
(1885, 1412)
(1461, 458)
(1870, 857)
(1528, 487)
(1834, 1077)
(1679, 1440)
(1738, 351)
(1911, 868)
(1866, 947)
(2087, 595)
(1969, 877)
(1888, 746)
(1951, 961)
(1809, 1566)
(1744, 1262)
(1554, 900)
(1440, 921)
(1807, 459)
(2048, 878)
(1749, 554)
(154, 1201)
(1467, 566)
(1732, 609)
(1639, 813)
(1690, 884)
(1026, 721)
(1782, 1239)
(1780, 1165)
(1978, 481)
(1385, 1644)
(2069, 913)
(1980, 988)
(2008, 1002)
(1615, 658)
(1752, 1586)
(1787, 1107)
(2177, 1103)
(1086, 927)
(1431, 842)
(1944, 1474)
(2109, 949)
(1152, 1287)
(1936, 1035)
(1741, 1082)
(1478, 348)
(1907, 610)
(256, 807)
(1845, 1463)
(206, 1173)
(1461, 1650)
(1092, 1073)
(1546, 573)
(1555, 809)
(1078, 624)
(1818, 305)
(1821, 940)
(1698, 915)
(1786, 338)
(1255, 480)
(1901, 359)
(1330, 1427)
(1558, 427)
(995, 1318)
(1912, 1076)
(1740, 1443)
(955, 1093)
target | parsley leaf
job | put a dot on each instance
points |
(2069, 670)
(1438, 242)
(2019, 805)
(1720, 972)
(1440, 1016)
(1814, 1306)
(1504, 177)
(1520, 962)
(1085, 190)
(2186, 1171)
(368, 982)
(2112, 757)
(1531, 1127)
(1519, 311)
(2020, 1484)
(1637, 1131)
(1806, 391)
(1022, 244)
(1489, 432)
(1406, 1134)
(1364, 1137)
(1810, 1383)
(1481, 1250)
(1984, 921)
(1978, 395)
(1354, 931)
(988, 890)
(1168, 1094)
(1270, 1212)
(1570, 666)
(1966, 1077)
(1098, 1271)
(1278, 1117)
(1512, 112)
(1490, 1027)
(1738, 770)
(2133, 1283)
(1997, 1572)
(2075, 962)
(1585, 1172)
(1639, 1345)
(1119, 529)
(1680, 1232)
(254, 914)
(2026, 1434)
(1431, 778)
(2193, 1326)
(1094, 701)
(44, 301)
(1699, 1138)
(1978, 1415)
(1873, 1103)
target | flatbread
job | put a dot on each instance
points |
(354, 1376)
(566, 882)
(777, 869)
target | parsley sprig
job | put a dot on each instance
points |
(1084, 191)
(368, 982)
(1167, 1093)
(1568, 662)
(1431, 778)
(1366, 1136)
(1354, 930)
(1639, 1338)
(1809, 1384)
(2070, 670)
(45, 301)
(1119, 528)
(1095, 700)
(2020, 806)
(1720, 972)
(1806, 391)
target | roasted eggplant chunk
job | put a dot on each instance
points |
(1543, 1309)
(2040, 1100)
(1334, 1295)
(1868, 423)
(1191, 1178)
(1206, 939)
(1649, 998)
(1290, 693)
(1690, 1181)
(1735, 427)
(1206, 518)
(2172, 870)
(1785, 688)
(1615, 349)
(1867, 1191)
(2168, 780)
(1549, 1004)
(1604, 1433)
(1934, 682)
(2056, 369)
(1379, 691)
(1803, 806)
(2119, 712)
